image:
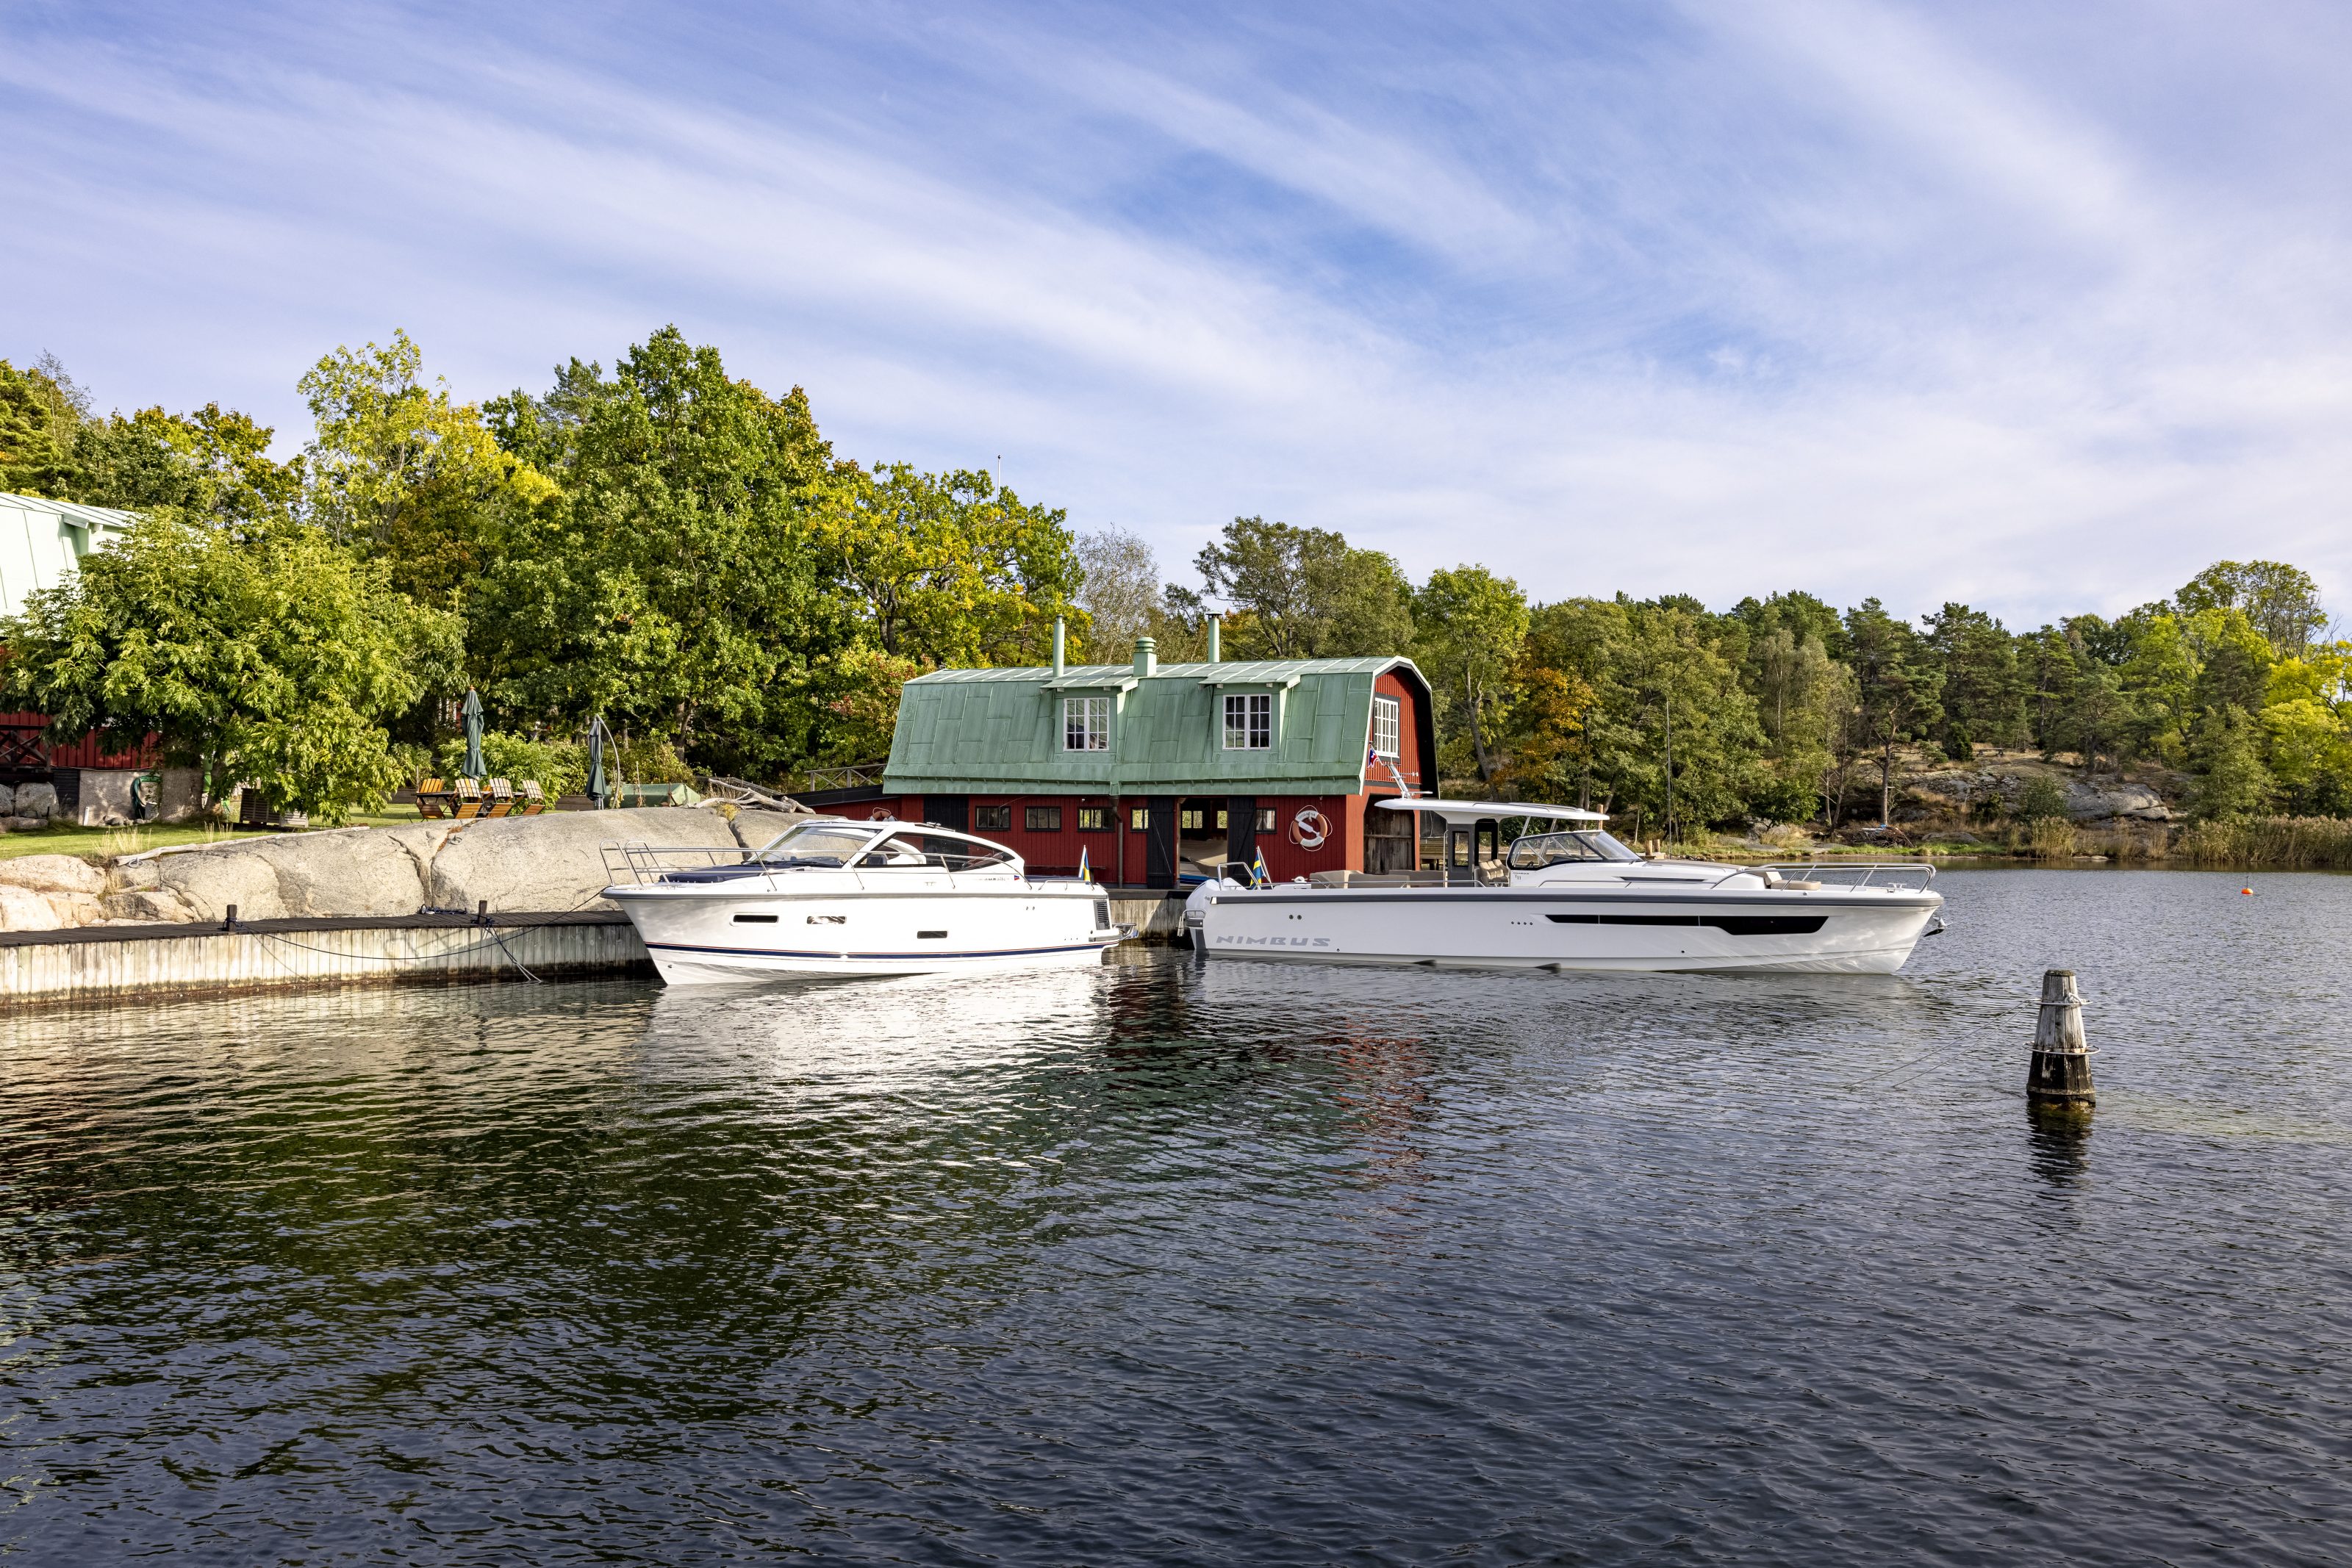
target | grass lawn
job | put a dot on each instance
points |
(105, 842)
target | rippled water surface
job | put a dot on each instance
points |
(1245, 1263)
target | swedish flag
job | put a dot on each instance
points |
(1258, 873)
(1083, 874)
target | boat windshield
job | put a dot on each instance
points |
(817, 844)
(1541, 850)
(939, 851)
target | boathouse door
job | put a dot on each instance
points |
(1392, 839)
(1241, 829)
(949, 811)
(1159, 841)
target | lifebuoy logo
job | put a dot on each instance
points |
(1309, 829)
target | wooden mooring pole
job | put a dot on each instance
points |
(2061, 1072)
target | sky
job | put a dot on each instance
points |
(2041, 308)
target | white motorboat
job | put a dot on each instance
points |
(831, 896)
(1573, 897)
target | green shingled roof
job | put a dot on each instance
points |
(1000, 731)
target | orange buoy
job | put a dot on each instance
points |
(2248, 891)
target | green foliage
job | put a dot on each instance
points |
(1897, 687)
(406, 474)
(1474, 627)
(1305, 593)
(673, 583)
(2234, 780)
(38, 420)
(560, 765)
(1780, 799)
(273, 658)
(2043, 800)
(211, 465)
(1982, 695)
(1660, 687)
(945, 569)
(2279, 601)
(680, 553)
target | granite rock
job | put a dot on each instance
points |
(52, 874)
(555, 861)
(208, 880)
(343, 872)
(149, 907)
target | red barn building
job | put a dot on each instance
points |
(1152, 771)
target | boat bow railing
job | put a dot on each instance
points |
(638, 865)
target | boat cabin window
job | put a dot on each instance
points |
(939, 851)
(817, 844)
(1541, 850)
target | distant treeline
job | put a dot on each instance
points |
(1783, 707)
(683, 554)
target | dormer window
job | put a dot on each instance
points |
(1249, 721)
(1385, 713)
(1086, 724)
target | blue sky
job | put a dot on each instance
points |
(2036, 306)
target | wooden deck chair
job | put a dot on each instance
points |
(530, 799)
(501, 800)
(466, 799)
(432, 797)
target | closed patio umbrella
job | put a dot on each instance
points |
(473, 713)
(598, 789)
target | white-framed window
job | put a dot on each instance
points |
(1385, 725)
(1249, 721)
(1086, 724)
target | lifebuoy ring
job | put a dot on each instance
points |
(1309, 829)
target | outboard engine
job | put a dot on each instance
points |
(1196, 909)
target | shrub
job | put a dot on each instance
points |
(561, 766)
(2043, 800)
(1784, 800)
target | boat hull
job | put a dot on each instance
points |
(735, 934)
(1846, 932)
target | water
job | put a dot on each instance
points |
(1241, 1263)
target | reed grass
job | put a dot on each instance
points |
(2052, 839)
(2290, 843)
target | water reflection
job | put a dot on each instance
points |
(2059, 1136)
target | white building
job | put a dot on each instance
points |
(42, 540)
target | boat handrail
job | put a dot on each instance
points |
(1814, 868)
(641, 863)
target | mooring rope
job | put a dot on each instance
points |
(496, 941)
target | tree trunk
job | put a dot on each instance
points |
(1477, 736)
(1886, 784)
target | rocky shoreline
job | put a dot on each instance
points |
(541, 864)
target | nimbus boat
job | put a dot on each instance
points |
(831, 896)
(1575, 898)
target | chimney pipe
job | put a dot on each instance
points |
(1146, 659)
(1216, 653)
(1060, 647)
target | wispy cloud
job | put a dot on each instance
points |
(1864, 298)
